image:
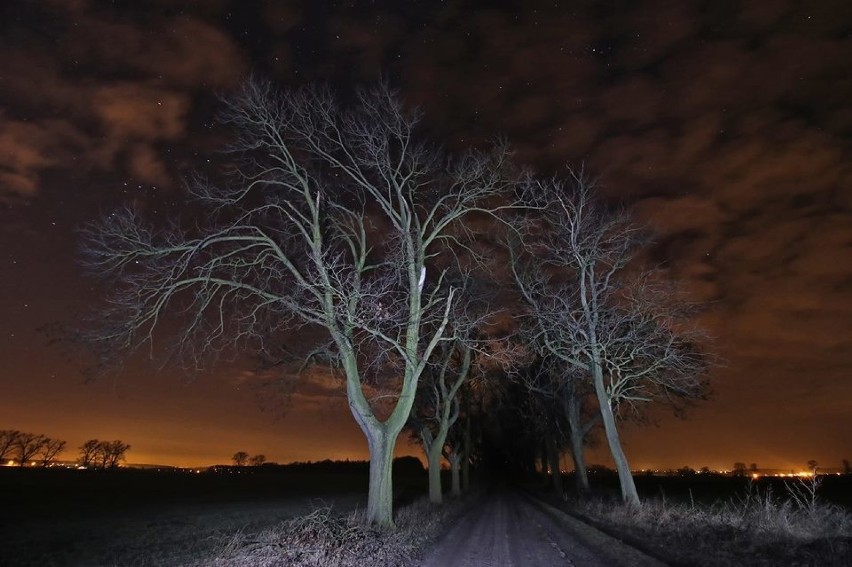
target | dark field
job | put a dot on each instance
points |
(712, 488)
(709, 520)
(129, 518)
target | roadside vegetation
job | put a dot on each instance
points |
(330, 538)
(784, 523)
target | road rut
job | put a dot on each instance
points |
(509, 529)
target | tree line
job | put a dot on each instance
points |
(26, 449)
(102, 454)
(241, 459)
(29, 448)
(498, 316)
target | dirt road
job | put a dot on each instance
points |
(509, 529)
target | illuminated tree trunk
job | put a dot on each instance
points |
(578, 450)
(581, 476)
(380, 496)
(625, 478)
(434, 456)
(381, 440)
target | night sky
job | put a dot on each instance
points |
(726, 124)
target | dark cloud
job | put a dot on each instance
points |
(726, 127)
(106, 92)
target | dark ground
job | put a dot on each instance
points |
(137, 518)
(714, 546)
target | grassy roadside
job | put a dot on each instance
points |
(325, 538)
(756, 528)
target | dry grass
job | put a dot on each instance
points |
(757, 528)
(324, 538)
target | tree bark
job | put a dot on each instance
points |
(578, 449)
(466, 456)
(380, 496)
(454, 459)
(581, 475)
(625, 478)
(553, 457)
(433, 455)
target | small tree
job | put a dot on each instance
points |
(454, 453)
(8, 439)
(240, 458)
(813, 466)
(257, 460)
(847, 468)
(739, 469)
(89, 453)
(26, 446)
(49, 449)
(116, 452)
(438, 409)
(106, 454)
(564, 409)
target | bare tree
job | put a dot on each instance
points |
(89, 453)
(257, 460)
(629, 335)
(49, 449)
(240, 458)
(438, 408)
(112, 453)
(8, 438)
(330, 219)
(563, 411)
(26, 446)
(438, 403)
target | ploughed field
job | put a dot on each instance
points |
(135, 518)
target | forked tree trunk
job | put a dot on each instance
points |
(625, 478)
